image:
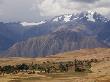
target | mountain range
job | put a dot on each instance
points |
(60, 34)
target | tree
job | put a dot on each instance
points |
(8, 69)
(22, 67)
(63, 67)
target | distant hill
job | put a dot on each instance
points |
(96, 53)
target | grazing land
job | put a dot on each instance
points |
(99, 71)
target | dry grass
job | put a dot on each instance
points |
(100, 70)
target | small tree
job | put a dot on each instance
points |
(22, 67)
(8, 69)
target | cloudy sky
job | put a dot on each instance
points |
(36, 10)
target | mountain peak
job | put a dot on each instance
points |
(90, 16)
(89, 12)
(67, 17)
(64, 18)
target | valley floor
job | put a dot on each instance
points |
(100, 70)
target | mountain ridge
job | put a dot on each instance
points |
(86, 29)
(54, 43)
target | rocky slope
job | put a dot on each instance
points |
(57, 42)
(62, 33)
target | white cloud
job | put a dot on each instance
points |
(103, 10)
(58, 7)
(37, 10)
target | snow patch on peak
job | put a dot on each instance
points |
(64, 18)
(76, 18)
(57, 18)
(90, 16)
(91, 12)
(67, 18)
(31, 23)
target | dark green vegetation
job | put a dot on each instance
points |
(49, 67)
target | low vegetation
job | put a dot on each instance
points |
(49, 67)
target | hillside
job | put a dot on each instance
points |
(97, 53)
(57, 42)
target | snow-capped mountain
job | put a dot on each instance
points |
(59, 34)
(88, 15)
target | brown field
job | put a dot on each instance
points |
(100, 70)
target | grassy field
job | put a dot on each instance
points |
(100, 70)
(64, 77)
